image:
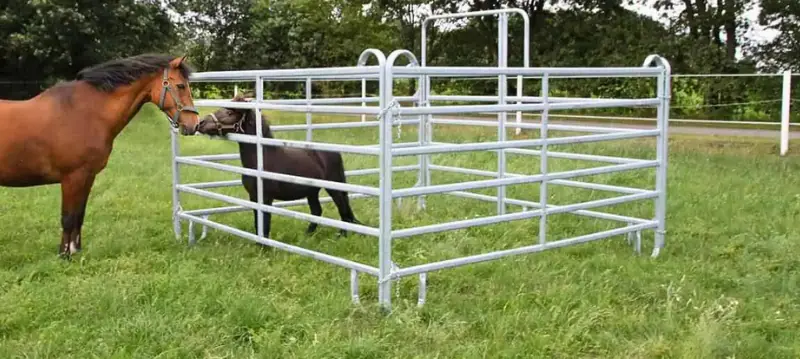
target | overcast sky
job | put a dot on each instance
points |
(757, 32)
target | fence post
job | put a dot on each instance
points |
(785, 107)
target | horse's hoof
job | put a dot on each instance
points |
(64, 255)
(74, 248)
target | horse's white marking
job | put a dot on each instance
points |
(72, 247)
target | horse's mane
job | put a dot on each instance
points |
(250, 120)
(109, 75)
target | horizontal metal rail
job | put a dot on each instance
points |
(338, 125)
(575, 156)
(251, 75)
(463, 186)
(454, 109)
(333, 100)
(430, 267)
(215, 184)
(399, 145)
(215, 210)
(358, 228)
(214, 157)
(484, 146)
(465, 71)
(280, 204)
(521, 203)
(319, 146)
(348, 187)
(350, 110)
(529, 125)
(512, 98)
(484, 221)
(280, 245)
(373, 171)
(564, 155)
(350, 173)
(577, 184)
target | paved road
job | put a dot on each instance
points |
(682, 129)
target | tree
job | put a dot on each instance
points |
(49, 40)
(706, 21)
(783, 52)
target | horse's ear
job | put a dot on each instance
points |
(176, 63)
(243, 96)
(240, 97)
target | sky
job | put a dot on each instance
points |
(757, 33)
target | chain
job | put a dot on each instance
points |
(393, 278)
(392, 105)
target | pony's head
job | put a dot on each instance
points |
(232, 120)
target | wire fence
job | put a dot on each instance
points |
(740, 98)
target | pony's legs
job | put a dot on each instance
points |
(342, 203)
(75, 189)
(315, 208)
(267, 216)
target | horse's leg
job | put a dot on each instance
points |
(342, 202)
(75, 189)
(315, 208)
(267, 216)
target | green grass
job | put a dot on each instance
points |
(726, 284)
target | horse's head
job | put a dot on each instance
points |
(231, 120)
(172, 94)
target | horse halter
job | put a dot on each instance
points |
(180, 108)
(235, 127)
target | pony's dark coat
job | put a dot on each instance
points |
(323, 165)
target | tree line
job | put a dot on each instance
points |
(51, 40)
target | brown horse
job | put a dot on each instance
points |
(293, 161)
(65, 134)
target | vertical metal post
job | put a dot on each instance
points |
(426, 92)
(663, 90)
(354, 295)
(260, 154)
(423, 289)
(502, 88)
(422, 175)
(526, 62)
(308, 114)
(363, 98)
(385, 184)
(785, 111)
(543, 160)
(176, 200)
(192, 239)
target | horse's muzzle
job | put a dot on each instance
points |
(208, 126)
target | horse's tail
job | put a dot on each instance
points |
(335, 170)
(337, 164)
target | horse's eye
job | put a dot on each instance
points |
(181, 86)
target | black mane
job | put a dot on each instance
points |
(250, 124)
(109, 75)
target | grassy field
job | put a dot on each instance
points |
(725, 286)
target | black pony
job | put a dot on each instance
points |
(292, 161)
